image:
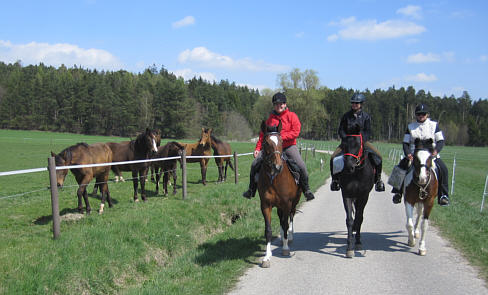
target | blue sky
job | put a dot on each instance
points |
(440, 46)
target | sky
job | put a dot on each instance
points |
(440, 46)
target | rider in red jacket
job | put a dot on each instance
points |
(290, 129)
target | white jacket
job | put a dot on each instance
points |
(427, 129)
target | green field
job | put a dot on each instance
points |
(169, 245)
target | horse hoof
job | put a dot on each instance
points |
(136, 200)
(100, 212)
(285, 252)
(350, 254)
(411, 243)
(422, 252)
(266, 264)
(417, 235)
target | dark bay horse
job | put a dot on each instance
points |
(203, 147)
(82, 154)
(277, 188)
(141, 148)
(222, 148)
(420, 192)
(167, 167)
(356, 181)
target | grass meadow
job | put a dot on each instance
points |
(169, 245)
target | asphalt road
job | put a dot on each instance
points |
(387, 265)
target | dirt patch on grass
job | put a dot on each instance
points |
(72, 216)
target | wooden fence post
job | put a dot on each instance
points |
(235, 169)
(54, 196)
(183, 173)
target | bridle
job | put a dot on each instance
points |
(423, 193)
(268, 158)
(359, 157)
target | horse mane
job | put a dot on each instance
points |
(218, 141)
(66, 154)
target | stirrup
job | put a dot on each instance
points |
(334, 185)
(309, 195)
(380, 186)
(444, 201)
(397, 199)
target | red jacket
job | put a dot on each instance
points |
(290, 128)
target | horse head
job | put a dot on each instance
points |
(205, 137)
(62, 159)
(146, 143)
(423, 160)
(272, 148)
(353, 147)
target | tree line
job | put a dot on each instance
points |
(40, 97)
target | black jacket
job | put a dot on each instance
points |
(350, 122)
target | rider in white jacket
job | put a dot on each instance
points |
(424, 128)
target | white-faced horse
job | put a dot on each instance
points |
(420, 193)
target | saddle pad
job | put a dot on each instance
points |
(396, 177)
(338, 164)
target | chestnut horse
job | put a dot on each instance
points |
(356, 181)
(171, 149)
(420, 192)
(201, 148)
(222, 148)
(83, 154)
(277, 188)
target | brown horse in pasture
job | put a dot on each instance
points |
(141, 148)
(277, 188)
(168, 167)
(201, 148)
(83, 154)
(421, 186)
(222, 148)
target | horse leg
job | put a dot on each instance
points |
(419, 207)
(135, 183)
(165, 182)
(267, 233)
(225, 171)
(348, 206)
(153, 171)
(358, 221)
(85, 197)
(203, 168)
(290, 229)
(425, 226)
(285, 251)
(158, 178)
(174, 180)
(79, 194)
(142, 178)
(409, 225)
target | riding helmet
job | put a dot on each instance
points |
(358, 97)
(421, 109)
(279, 98)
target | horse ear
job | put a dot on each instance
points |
(53, 154)
(209, 130)
(263, 127)
(203, 129)
(417, 141)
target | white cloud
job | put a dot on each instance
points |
(430, 57)
(422, 77)
(332, 38)
(205, 57)
(372, 30)
(188, 74)
(58, 54)
(184, 22)
(484, 58)
(411, 11)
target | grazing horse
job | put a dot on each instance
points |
(140, 148)
(171, 149)
(356, 181)
(277, 188)
(83, 154)
(201, 148)
(222, 148)
(420, 192)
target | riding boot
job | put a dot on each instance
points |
(251, 192)
(305, 188)
(442, 195)
(379, 185)
(397, 198)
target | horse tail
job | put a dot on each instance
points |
(230, 165)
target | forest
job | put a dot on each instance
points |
(121, 103)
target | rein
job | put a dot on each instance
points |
(359, 157)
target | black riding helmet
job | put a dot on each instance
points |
(421, 109)
(358, 98)
(279, 98)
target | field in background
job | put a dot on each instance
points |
(200, 245)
